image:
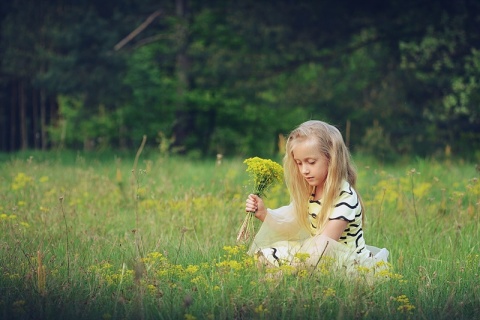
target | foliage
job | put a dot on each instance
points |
(229, 77)
(378, 144)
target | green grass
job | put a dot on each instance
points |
(82, 236)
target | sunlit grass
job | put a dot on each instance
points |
(89, 238)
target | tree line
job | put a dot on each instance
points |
(232, 77)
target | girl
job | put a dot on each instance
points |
(325, 216)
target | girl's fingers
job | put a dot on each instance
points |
(251, 204)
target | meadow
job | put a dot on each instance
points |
(109, 237)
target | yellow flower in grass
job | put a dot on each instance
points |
(325, 265)
(230, 264)
(329, 292)
(404, 304)
(154, 255)
(198, 280)
(387, 274)
(233, 250)
(151, 288)
(363, 269)
(192, 269)
(303, 273)
(288, 269)
(20, 181)
(248, 261)
(301, 257)
(261, 309)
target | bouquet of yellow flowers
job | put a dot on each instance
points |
(265, 173)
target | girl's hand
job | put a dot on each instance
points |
(255, 204)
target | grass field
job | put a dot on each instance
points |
(96, 237)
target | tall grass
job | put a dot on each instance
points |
(85, 237)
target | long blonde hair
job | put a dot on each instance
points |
(329, 142)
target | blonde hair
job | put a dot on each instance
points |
(329, 142)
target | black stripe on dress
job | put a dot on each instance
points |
(346, 204)
(360, 250)
(359, 214)
(355, 234)
(341, 218)
(349, 188)
(274, 255)
(358, 239)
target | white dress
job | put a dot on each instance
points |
(282, 240)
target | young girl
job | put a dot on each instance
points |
(325, 216)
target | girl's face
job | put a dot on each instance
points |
(311, 163)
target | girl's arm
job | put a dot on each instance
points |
(255, 204)
(334, 229)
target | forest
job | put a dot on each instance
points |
(233, 77)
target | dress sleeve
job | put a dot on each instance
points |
(347, 207)
(279, 225)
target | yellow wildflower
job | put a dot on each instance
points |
(20, 181)
(232, 264)
(261, 309)
(24, 224)
(233, 249)
(265, 172)
(303, 273)
(329, 292)
(151, 288)
(405, 305)
(301, 256)
(192, 269)
(197, 280)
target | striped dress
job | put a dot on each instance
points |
(347, 208)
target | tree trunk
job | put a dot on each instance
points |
(35, 119)
(183, 119)
(3, 128)
(13, 117)
(23, 116)
(43, 120)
